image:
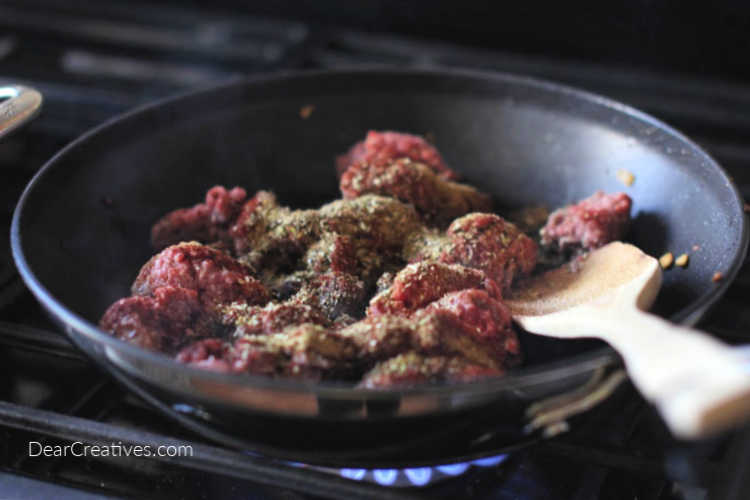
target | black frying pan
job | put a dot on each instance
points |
(81, 232)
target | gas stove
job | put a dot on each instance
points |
(92, 62)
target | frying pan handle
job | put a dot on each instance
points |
(21, 105)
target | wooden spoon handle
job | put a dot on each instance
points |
(699, 385)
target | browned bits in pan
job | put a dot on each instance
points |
(718, 276)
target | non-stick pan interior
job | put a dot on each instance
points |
(85, 223)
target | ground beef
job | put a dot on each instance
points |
(410, 368)
(334, 294)
(271, 318)
(491, 244)
(421, 283)
(360, 237)
(314, 352)
(213, 354)
(253, 221)
(380, 147)
(334, 252)
(437, 314)
(487, 320)
(430, 332)
(289, 233)
(161, 322)
(204, 222)
(306, 351)
(590, 223)
(375, 221)
(218, 278)
(437, 200)
(480, 241)
(425, 244)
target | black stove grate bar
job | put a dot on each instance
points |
(213, 38)
(37, 340)
(733, 481)
(646, 467)
(205, 458)
(716, 106)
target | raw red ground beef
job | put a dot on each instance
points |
(417, 285)
(438, 200)
(380, 147)
(491, 244)
(590, 223)
(209, 354)
(284, 293)
(487, 319)
(160, 322)
(205, 222)
(213, 274)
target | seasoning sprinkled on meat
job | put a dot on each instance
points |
(591, 223)
(418, 284)
(254, 220)
(432, 332)
(381, 147)
(271, 318)
(488, 321)
(284, 293)
(216, 276)
(333, 252)
(205, 222)
(288, 235)
(334, 294)
(360, 237)
(306, 351)
(491, 244)
(438, 200)
(410, 368)
(383, 223)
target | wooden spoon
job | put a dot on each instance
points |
(700, 385)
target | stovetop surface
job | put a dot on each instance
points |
(93, 62)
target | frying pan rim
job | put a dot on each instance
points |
(517, 378)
